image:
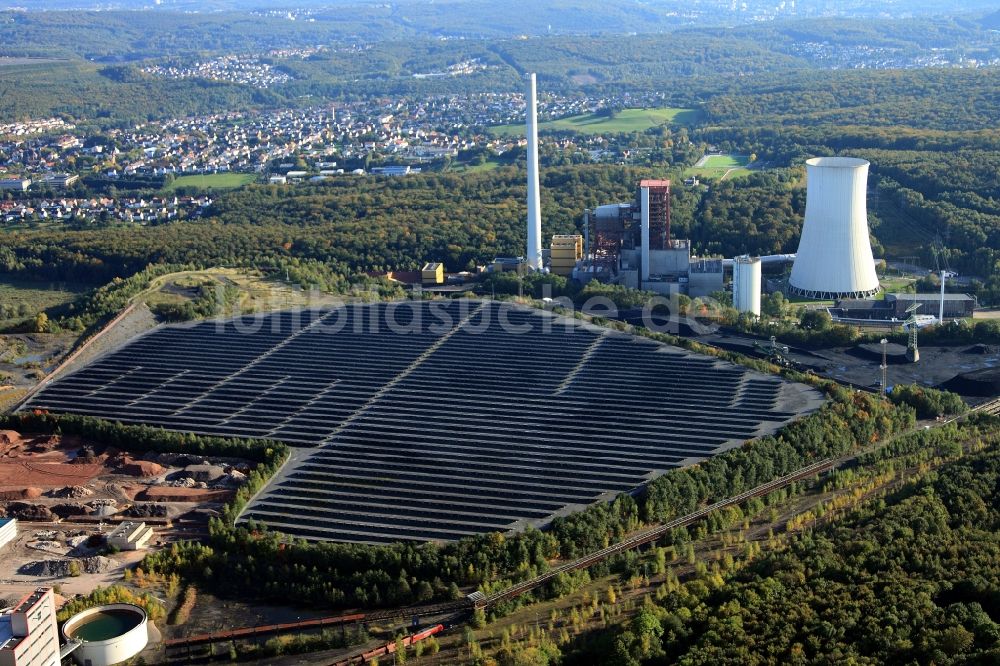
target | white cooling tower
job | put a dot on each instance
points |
(534, 249)
(835, 254)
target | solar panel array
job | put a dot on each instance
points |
(433, 421)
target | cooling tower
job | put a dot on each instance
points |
(835, 254)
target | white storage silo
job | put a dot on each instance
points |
(835, 253)
(746, 284)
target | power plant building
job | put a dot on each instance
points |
(705, 277)
(630, 244)
(28, 633)
(565, 251)
(834, 259)
(894, 307)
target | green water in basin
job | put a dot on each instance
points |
(106, 624)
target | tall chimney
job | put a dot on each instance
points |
(534, 252)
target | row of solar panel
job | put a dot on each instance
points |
(475, 432)
(377, 450)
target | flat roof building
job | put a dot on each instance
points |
(60, 179)
(8, 530)
(956, 306)
(403, 170)
(130, 536)
(432, 273)
(28, 633)
(18, 184)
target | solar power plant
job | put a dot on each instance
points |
(434, 420)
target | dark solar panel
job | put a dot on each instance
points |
(433, 420)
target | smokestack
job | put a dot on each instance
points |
(835, 254)
(534, 252)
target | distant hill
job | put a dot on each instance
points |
(991, 21)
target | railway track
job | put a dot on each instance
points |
(652, 534)
(262, 630)
(992, 407)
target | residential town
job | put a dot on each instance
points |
(246, 70)
(42, 161)
(863, 56)
(412, 129)
(137, 210)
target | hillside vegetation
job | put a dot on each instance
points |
(911, 578)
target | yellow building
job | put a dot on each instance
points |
(566, 251)
(432, 273)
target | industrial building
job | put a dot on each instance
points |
(8, 531)
(624, 243)
(432, 273)
(834, 259)
(130, 535)
(507, 265)
(566, 250)
(630, 244)
(508, 417)
(894, 308)
(705, 276)
(28, 632)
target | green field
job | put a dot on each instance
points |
(25, 298)
(721, 166)
(212, 181)
(626, 120)
(488, 165)
(725, 161)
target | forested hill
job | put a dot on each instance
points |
(381, 51)
(356, 223)
(913, 579)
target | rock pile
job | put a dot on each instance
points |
(71, 492)
(146, 510)
(20, 493)
(60, 568)
(29, 512)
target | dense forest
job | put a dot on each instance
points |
(911, 578)
(358, 223)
